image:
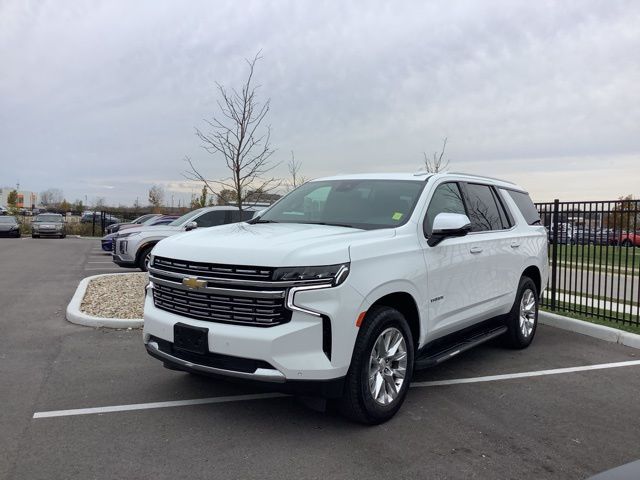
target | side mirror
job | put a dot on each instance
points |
(190, 226)
(448, 225)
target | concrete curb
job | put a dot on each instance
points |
(591, 329)
(75, 315)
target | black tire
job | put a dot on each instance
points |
(358, 402)
(517, 335)
(142, 258)
(626, 243)
(35, 236)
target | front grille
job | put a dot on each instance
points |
(209, 270)
(245, 309)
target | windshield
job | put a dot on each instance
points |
(145, 219)
(184, 218)
(7, 220)
(49, 218)
(364, 204)
(150, 220)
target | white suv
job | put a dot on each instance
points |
(132, 247)
(349, 283)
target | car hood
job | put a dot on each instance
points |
(5, 227)
(152, 230)
(268, 244)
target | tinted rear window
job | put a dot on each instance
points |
(526, 206)
(484, 212)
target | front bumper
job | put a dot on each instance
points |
(269, 377)
(121, 255)
(291, 352)
(48, 233)
(107, 245)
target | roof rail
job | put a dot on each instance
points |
(480, 176)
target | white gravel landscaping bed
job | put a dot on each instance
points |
(115, 296)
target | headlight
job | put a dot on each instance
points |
(125, 235)
(35, 227)
(333, 274)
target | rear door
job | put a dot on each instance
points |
(493, 242)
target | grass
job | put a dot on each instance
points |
(599, 255)
(627, 327)
(595, 297)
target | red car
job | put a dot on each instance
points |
(630, 239)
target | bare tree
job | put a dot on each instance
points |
(51, 196)
(295, 178)
(237, 136)
(156, 197)
(436, 163)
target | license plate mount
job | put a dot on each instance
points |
(191, 339)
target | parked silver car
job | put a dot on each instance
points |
(132, 247)
(48, 224)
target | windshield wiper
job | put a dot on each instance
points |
(331, 224)
(259, 220)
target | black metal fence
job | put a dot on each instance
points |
(100, 223)
(594, 256)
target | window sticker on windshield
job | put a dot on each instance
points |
(397, 216)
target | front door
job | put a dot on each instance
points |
(452, 280)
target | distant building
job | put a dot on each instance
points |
(25, 199)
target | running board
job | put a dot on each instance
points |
(429, 359)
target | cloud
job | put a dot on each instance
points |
(112, 90)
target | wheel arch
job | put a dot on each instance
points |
(405, 303)
(144, 246)
(533, 272)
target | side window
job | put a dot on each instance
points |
(446, 199)
(505, 215)
(246, 215)
(526, 206)
(211, 219)
(484, 212)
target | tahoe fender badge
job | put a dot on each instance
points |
(435, 299)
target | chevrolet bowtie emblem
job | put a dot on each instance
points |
(193, 282)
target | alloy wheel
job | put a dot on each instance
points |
(527, 312)
(387, 366)
(147, 261)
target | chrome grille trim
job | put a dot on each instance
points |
(237, 282)
(279, 294)
(212, 270)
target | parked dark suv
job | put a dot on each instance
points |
(48, 224)
(9, 226)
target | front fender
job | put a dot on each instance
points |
(396, 286)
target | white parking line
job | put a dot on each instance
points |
(261, 396)
(146, 406)
(538, 373)
(102, 269)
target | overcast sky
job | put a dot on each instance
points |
(101, 99)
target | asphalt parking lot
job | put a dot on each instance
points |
(569, 424)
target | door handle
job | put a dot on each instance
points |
(475, 250)
(515, 244)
